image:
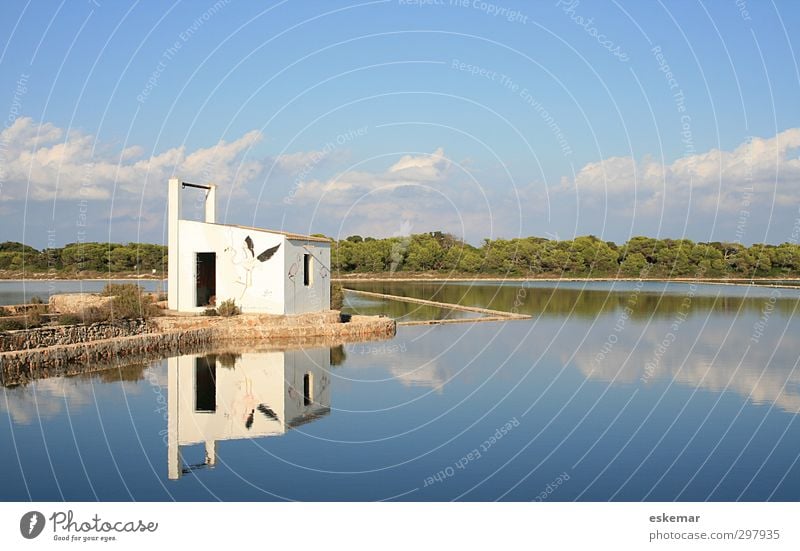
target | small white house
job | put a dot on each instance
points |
(263, 271)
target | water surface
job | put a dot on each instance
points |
(21, 292)
(609, 392)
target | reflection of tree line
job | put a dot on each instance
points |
(403, 311)
(578, 302)
(133, 370)
(130, 373)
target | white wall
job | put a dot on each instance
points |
(256, 379)
(274, 379)
(317, 296)
(273, 286)
(255, 286)
(297, 363)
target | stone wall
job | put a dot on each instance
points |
(75, 303)
(262, 327)
(359, 328)
(69, 334)
(54, 351)
(36, 363)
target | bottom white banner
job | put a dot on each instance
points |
(354, 526)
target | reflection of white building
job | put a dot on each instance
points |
(263, 271)
(215, 397)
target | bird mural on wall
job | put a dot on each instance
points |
(248, 260)
(268, 413)
(263, 256)
(265, 410)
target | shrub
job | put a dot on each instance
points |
(33, 319)
(11, 325)
(115, 289)
(337, 296)
(69, 319)
(337, 355)
(210, 312)
(93, 314)
(228, 359)
(88, 316)
(36, 300)
(228, 308)
(4, 313)
(129, 302)
(29, 321)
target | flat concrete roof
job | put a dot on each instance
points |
(288, 235)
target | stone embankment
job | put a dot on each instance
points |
(42, 337)
(38, 363)
(259, 327)
(75, 303)
(73, 349)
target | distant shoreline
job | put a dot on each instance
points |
(72, 277)
(410, 277)
(773, 282)
(761, 281)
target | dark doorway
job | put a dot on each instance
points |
(205, 384)
(206, 279)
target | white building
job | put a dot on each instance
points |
(263, 271)
(219, 397)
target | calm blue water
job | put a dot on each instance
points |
(656, 393)
(20, 292)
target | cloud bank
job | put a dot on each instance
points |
(766, 167)
(40, 162)
(43, 162)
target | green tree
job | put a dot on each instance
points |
(634, 264)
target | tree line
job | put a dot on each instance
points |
(439, 252)
(75, 258)
(585, 256)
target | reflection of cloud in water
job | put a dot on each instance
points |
(45, 398)
(429, 374)
(761, 377)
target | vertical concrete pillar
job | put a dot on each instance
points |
(174, 215)
(211, 204)
(173, 406)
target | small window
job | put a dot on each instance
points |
(307, 269)
(308, 389)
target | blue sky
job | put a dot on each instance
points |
(484, 119)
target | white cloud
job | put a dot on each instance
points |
(45, 162)
(27, 404)
(306, 161)
(429, 375)
(770, 166)
(421, 171)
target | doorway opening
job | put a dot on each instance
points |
(205, 384)
(206, 279)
